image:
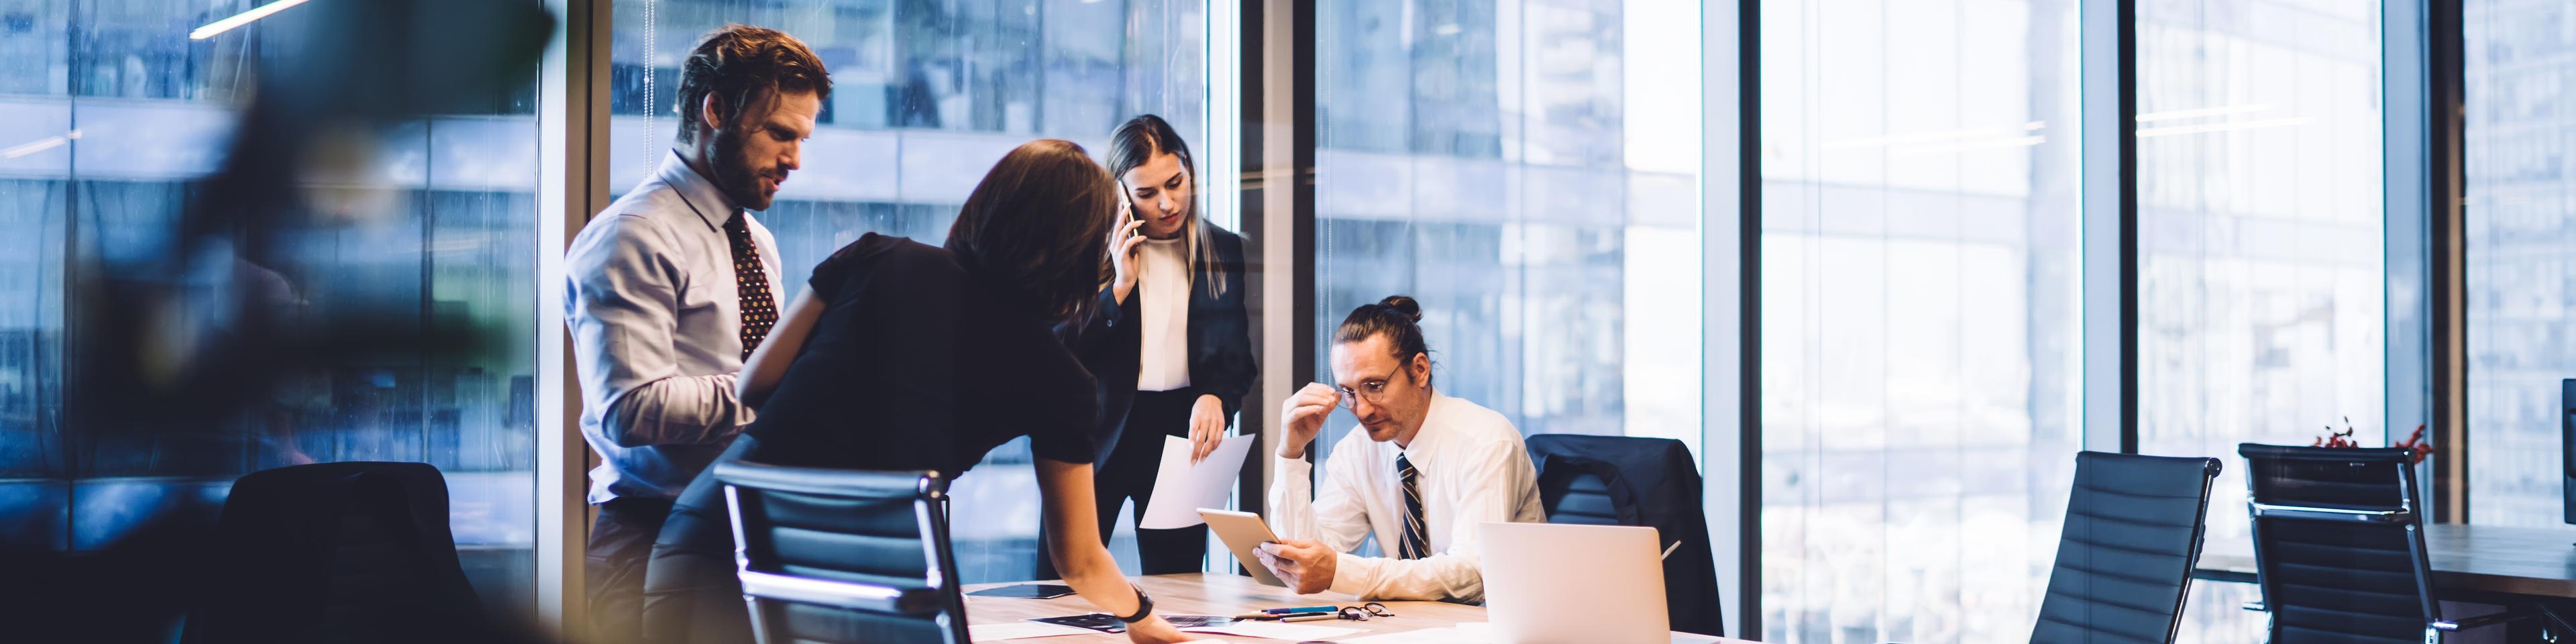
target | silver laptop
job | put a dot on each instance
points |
(1549, 583)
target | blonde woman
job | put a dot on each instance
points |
(1172, 326)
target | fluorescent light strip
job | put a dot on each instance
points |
(39, 145)
(1915, 138)
(2201, 112)
(2172, 130)
(1970, 146)
(240, 19)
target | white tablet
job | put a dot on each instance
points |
(1243, 532)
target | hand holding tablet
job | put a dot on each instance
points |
(1243, 532)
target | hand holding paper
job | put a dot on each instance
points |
(1182, 487)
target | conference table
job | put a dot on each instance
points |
(2468, 561)
(1223, 594)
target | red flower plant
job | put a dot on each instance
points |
(2414, 442)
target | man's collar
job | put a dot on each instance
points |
(1429, 435)
(701, 195)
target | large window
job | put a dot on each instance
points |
(2260, 282)
(1526, 169)
(925, 97)
(108, 113)
(2519, 238)
(1919, 315)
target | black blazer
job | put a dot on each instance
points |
(1110, 344)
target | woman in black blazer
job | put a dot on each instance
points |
(1172, 347)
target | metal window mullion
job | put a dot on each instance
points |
(2108, 101)
(572, 117)
(1730, 206)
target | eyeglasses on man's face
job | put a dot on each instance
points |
(1373, 389)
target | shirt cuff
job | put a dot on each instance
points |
(1352, 574)
(1293, 466)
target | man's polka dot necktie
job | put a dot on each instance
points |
(751, 285)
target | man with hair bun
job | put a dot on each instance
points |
(1426, 470)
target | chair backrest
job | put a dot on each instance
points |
(350, 551)
(2124, 559)
(1582, 498)
(830, 555)
(2337, 544)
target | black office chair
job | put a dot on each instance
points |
(337, 552)
(2124, 559)
(831, 556)
(1621, 480)
(2339, 549)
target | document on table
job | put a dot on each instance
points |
(1182, 487)
(1018, 630)
(1474, 633)
(1276, 631)
(1424, 636)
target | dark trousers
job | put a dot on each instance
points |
(621, 541)
(1129, 474)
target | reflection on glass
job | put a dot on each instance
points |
(2260, 233)
(1527, 171)
(1921, 310)
(2519, 238)
(925, 97)
(452, 249)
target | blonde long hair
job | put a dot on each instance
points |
(1138, 140)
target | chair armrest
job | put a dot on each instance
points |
(2489, 619)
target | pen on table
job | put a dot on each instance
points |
(1308, 617)
(1300, 609)
(1668, 550)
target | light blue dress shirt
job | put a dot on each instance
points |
(657, 332)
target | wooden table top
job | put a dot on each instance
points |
(1219, 594)
(2466, 558)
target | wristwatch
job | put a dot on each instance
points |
(1144, 607)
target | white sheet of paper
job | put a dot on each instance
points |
(1276, 631)
(1424, 636)
(1018, 630)
(1182, 487)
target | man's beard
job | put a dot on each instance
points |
(735, 176)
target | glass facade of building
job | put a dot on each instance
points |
(2518, 236)
(1504, 164)
(2261, 287)
(1920, 315)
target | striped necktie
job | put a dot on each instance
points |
(751, 285)
(1417, 541)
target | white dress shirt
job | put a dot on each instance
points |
(657, 332)
(1164, 286)
(1470, 468)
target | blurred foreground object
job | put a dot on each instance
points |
(207, 324)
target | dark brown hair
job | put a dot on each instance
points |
(1397, 317)
(743, 65)
(1136, 142)
(1039, 223)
